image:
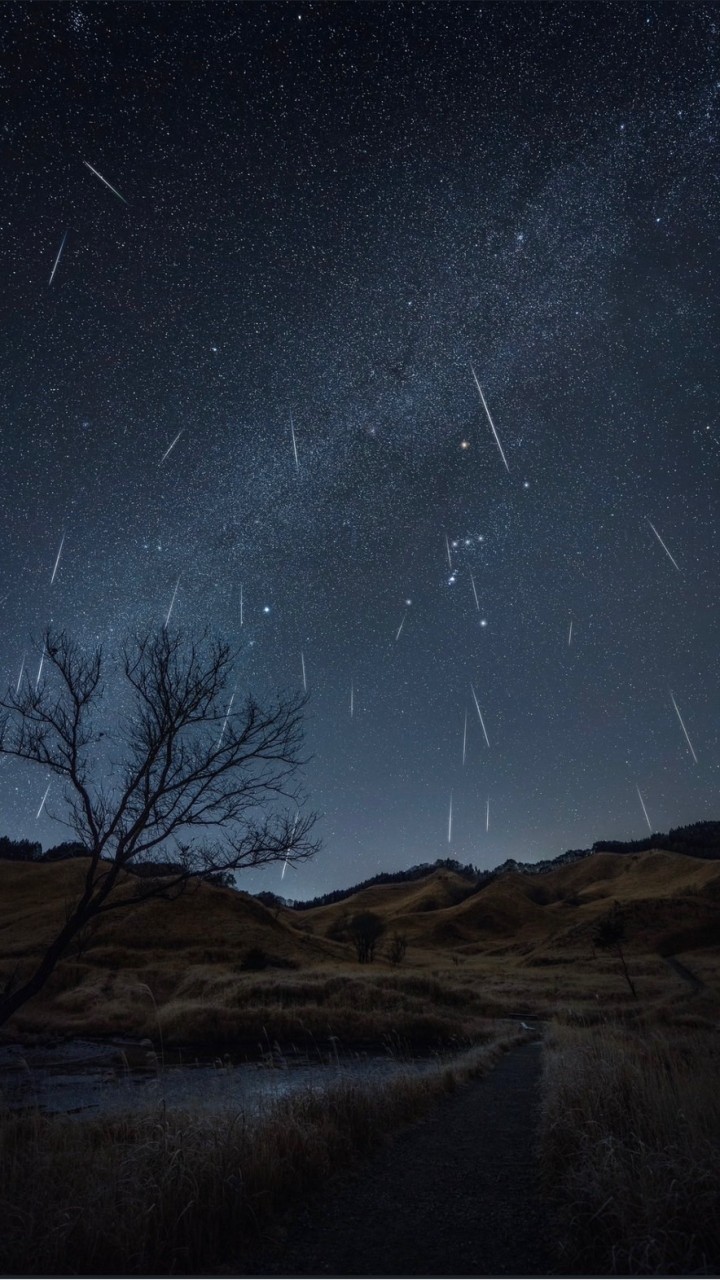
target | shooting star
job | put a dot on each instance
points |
(292, 841)
(294, 444)
(170, 448)
(482, 722)
(664, 547)
(570, 632)
(42, 802)
(447, 544)
(241, 605)
(22, 668)
(107, 184)
(487, 816)
(172, 602)
(477, 602)
(302, 663)
(464, 738)
(57, 559)
(42, 660)
(643, 807)
(492, 424)
(227, 713)
(402, 624)
(59, 255)
(352, 699)
(450, 820)
(682, 725)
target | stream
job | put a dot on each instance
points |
(83, 1077)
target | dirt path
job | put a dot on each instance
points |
(455, 1195)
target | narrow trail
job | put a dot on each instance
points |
(455, 1195)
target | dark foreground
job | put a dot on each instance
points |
(455, 1195)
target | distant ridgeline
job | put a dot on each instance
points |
(31, 851)
(698, 840)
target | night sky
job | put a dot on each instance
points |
(329, 215)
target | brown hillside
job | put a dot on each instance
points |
(660, 893)
(392, 902)
(205, 923)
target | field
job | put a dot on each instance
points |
(630, 1130)
(217, 967)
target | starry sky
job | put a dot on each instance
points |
(321, 219)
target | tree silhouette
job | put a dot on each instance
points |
(610, 936)
(199, 782)
(365, 929)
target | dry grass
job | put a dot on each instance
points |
(168, 1193)
(630, 1143)
(523, 945)
(216, 1005)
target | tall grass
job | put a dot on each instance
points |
(204, 1004)
(630, 1142)
(165, 1192)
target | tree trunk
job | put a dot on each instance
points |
(54, 954)
(628, 979)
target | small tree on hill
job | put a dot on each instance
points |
(610, 936)
(365, 930)
(193, 779)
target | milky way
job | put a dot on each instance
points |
(251, 257)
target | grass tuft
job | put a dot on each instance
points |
(630, 1144)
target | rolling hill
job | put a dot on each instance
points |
(192, 963)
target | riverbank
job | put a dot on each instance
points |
(169, 1191)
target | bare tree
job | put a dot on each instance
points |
(365, 930)
(610, 936)
(206, 785)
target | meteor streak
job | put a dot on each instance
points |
(22, 668)
(465, 737)
(477, 602)
(170, 448)
(42, 659)
(302, 663)
(482, 722)
(487, 816)
(643, 808)
(292, 841)
(682, 726)
(492, 424)
(42, 802)
(241, 605)
(665, 549)
(294, 444)
(450, 820)
(570, 632)
(447, 544)
(172, 602)
(59, 255)
(57, 559)
(352, 699)
(107, 184)
(227, 713)
(402, 624)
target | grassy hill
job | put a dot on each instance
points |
(216, 965)
(661, 893)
